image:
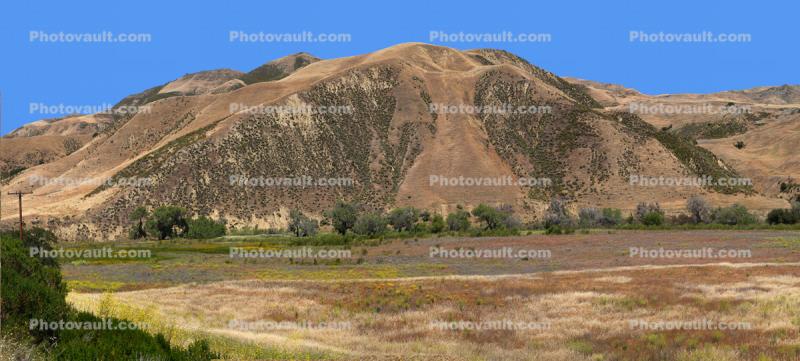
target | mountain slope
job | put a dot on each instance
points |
(390, 138)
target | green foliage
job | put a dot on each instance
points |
(784, 216)
(458, 220)
(343, 216)
(370, 224)
(736, 214)
(137, 218)
(495, 218)
(653, 219)
(301, 225)
(437, 223)
(204, 227)
(403, 219)
(33, 290)
(167, 222)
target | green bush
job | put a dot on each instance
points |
(370, 224)
(33, 290)
(736, 214)
(301, 225)
(403, 219)
(167, 222)
(343, 216)
(437, 223)
(203, 227)
(458, 220)
(653, 219)
(783, 216)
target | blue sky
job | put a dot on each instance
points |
(588, 39)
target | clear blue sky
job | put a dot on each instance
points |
(589, 39)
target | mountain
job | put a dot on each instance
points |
(390, 135)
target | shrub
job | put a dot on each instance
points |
(653, 219)
(736, 214)
(33, 290)
(739, 144)
(403, 219)
(490, 217)
(437, 223)
(301, 225)
(698, 209)
(644, 209)
(167, 222)
(458, 220)
(370, 224)
(343, 216)
(784, 216)
(589, 217)
(203, 227)
(557, 214)
(611, 217)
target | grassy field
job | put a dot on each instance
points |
(588, 298)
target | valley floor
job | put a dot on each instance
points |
(586, 298)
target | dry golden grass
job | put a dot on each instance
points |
(583, 315)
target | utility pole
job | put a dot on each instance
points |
(19, 195)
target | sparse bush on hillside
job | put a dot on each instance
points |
(370, 224)
(736, 214)
(403, 219)
(301, 225)
(458, 220)
(698, 209)
(204, 227)
(739, 144)
(343, 216)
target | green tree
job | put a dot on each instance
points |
(370, 224)
(204, 227)
(167, 222)
(343, 216)
(458, 220)
(301, 225)
(403, 219)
